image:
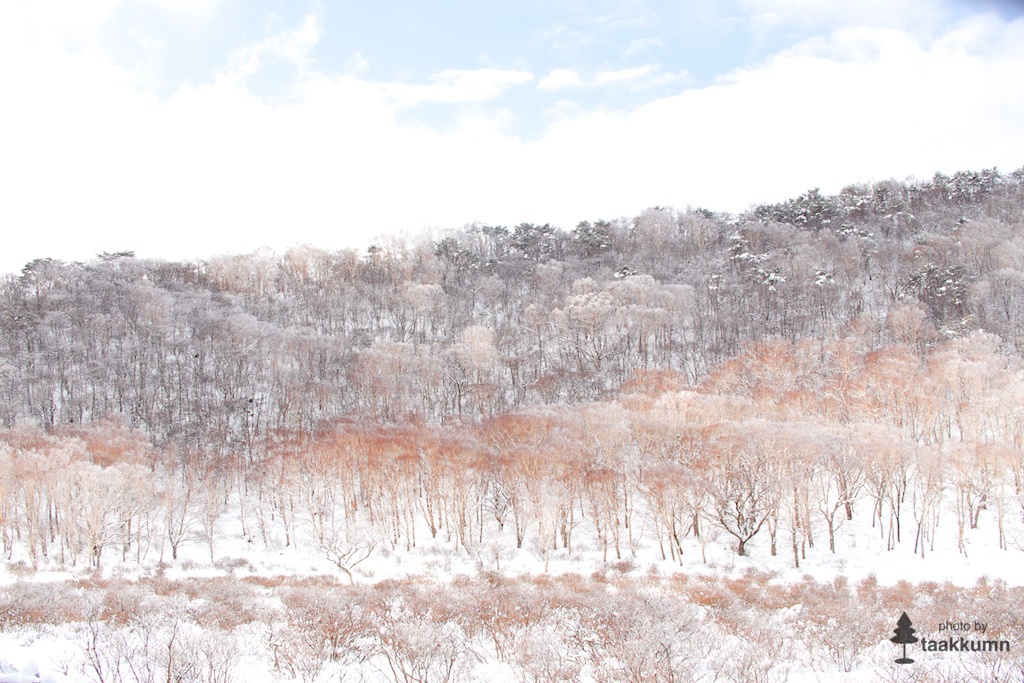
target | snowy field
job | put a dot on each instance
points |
(436, 612)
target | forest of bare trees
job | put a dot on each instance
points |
(785, 440)
(648, 385)
(533, 377)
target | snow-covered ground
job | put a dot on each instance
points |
(934, 585)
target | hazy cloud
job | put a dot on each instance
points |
(643, 45)
(845, 12)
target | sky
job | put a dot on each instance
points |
(184, 129)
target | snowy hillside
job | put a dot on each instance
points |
(679, 447)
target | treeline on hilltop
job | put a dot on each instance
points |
(219, 355)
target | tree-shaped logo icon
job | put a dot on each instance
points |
(904, 636)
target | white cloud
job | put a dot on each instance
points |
(645, 76)
(92, 162)
(184, 8)
(54, 20)
(457, 85)
(60, 20)
(560, 79)
(290, 45)
(624, 75)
